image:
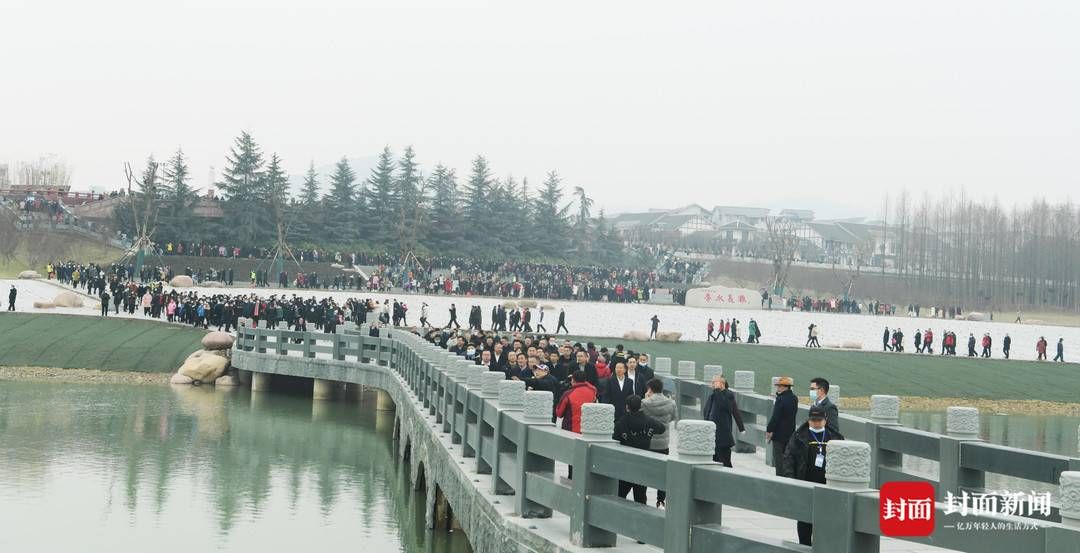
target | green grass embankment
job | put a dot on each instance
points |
(77, 341)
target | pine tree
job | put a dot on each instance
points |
(609, 247)
(475, 206)
(306, 213)
(245, 208)
(410, 202)
(180, 200)
(550, 219)
(382, 202)
(583, 232)
(340, 214)
(445, 237)
(309, 193)
(276, 187)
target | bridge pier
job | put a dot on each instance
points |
(260, 382)
(383, 402)
(322, 389)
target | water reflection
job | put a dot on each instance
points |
(1047, 433)
(96, 467)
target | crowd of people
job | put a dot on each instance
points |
(582, 373)
(923, 342)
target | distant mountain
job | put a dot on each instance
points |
(360, 165)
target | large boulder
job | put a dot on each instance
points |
(204, 366)
(181, 281)
(337, 266)
(510, 304)
(976, 316)
(227, 380)
(180, 379)
(68, 299)
(640, 335)
(43, 305)
(217, 340)
(29, 274)
(212, 284)
(531, 304)
(668, 336)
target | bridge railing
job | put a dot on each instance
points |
(508, 433)
(964, 460)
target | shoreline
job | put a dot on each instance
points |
(80, 376)
(985, 406)
(907, 403)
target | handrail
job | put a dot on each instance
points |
(509, 434)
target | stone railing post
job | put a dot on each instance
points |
(281, 342)
(696, 446)
(663, 365)
(687, 369)
(489, 394)
(961, 425)
(847, 473)
(744, 383)
(884, 411)
(470, 431)
(711, 371)
(1069, 498)
(511, 399)
(537, 407)
(597, 426)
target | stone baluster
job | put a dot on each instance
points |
(597, 426)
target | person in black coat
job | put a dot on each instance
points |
(616, 389)
(639, 374)
(804, 458)
(722, 409)
(11, 298)
(582, 364)
(782, 422)
(636, 430)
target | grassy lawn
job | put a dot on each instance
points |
(79, 248)
(74, 341)
(865, 373)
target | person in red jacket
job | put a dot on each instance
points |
(581, 391)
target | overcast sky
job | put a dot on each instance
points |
(778, 104)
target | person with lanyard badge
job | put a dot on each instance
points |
(805, 458)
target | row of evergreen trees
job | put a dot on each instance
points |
(397, 208)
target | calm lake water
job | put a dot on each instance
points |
(125, 468)
(1048, 433)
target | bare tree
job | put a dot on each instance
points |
(782, 244)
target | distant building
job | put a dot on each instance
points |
(753, 216)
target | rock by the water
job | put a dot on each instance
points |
(531, 304)
(68, 299)
(204, 366)
(43, 305)
(180, 379)
(976, 316)
(181, 281)
(510, 304)
(636, 335)
(29, 274)
(337, 266)
(668, 336)
(227, 380)
(217, 340)
(212, 284)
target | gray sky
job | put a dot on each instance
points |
(780, 104)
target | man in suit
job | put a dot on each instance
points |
(782, 422)
(819, 393)
(639, 374)
(582, 363)
(617, 389)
